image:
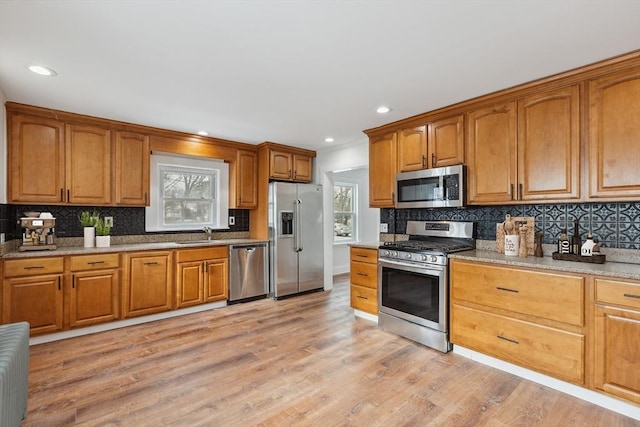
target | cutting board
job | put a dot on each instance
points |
(531, 231)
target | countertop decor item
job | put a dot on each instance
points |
(504, 228)
(593, 259)
(538, 252)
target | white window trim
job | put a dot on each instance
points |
(153, 212)
(354, 213)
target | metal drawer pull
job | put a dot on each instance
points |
(362, 274)
(151, 263)
(95, 262)
(33, 267)
(363, 256)
(508, 339)
(515, 291)
(631, 295)
(362, 297)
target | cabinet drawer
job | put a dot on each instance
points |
(619, 293)
(364, 299)
(548, 350)
(364, 255)
(94, 262)
(546, 295)
(202, 254)
(33, 266)
(364, 274)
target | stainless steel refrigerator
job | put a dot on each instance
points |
(295, 232)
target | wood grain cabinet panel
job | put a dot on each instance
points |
(614, 135)
(382, 170)
(202, 275)
(131, 169)
(364, 279)
(35, 159)
(148, 285)
(35, 299)
(412, 149)
(446, 142)
(246, 180)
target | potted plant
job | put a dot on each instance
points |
(103, 239)
(89, 220)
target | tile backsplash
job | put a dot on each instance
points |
(127, 221)
(616, 225)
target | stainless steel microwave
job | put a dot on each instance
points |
(431, 188)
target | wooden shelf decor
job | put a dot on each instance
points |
(593, 259)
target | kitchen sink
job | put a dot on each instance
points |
(196, 242)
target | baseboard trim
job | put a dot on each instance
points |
(605, 401)
(367, 316)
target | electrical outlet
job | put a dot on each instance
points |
(384, 227)
(232, 220)
(108, 221)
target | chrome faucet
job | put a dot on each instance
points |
(208, 230)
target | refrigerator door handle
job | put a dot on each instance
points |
(298, 226)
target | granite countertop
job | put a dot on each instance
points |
(366, 245)
(128, 247)
(608, 269)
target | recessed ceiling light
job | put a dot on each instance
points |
(328, 139)
(43, 71)
(203, 133)
(383, 110)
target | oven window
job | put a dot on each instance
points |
(411, 293)
(419, 190)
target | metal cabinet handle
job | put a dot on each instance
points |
(62, 194)
(95, 262)
(511, 191)
(151, 263)
(433, 160)
(631, 296)
(511, 340)
(68, 195)
(519, 191)
(362, 297)
(424, 160)
(507, 289)
(33, 267)
(362, 274)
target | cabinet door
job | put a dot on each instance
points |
(217, 282)
(88, 165)
(446, 142)
(93, 298)
(148, 284)
(246, 180)
(36, 299)
(412, 149)
(382, 171)
(280, 165)
(302, 168)
(132, 169)
(617, 357)
(549, 145)
(491, 147)
(190, 289)
(36, 160)
(614, 135)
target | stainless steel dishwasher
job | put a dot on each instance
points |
(248, 268)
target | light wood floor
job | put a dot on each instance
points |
(302, 361)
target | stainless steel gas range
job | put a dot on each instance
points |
(413, 280)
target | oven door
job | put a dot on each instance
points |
(415, 293)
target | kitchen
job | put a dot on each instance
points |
(392, 217)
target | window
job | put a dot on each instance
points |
(344, 212)
(187, 193)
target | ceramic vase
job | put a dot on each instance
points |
(89, 237)
(103, 241)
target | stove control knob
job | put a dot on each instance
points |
(384, 253)
(407, 256)
(423, 257)
(433, 258)
(394, 254)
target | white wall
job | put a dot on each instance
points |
(3, 148)
(331, 161)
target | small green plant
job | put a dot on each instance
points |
(102, 229)
(88, 219)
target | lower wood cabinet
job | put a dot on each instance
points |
(32, 292)
(147, 287)
(202, 275)
(617, 338)
(94, 296)
(364, 279)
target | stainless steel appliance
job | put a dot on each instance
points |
(295, 232)
(413, 285)
(38, 233)
(248, 267)
(431, 188)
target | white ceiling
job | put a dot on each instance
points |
(294, 72)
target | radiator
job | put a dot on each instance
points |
(14, 373)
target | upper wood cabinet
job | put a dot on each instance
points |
(302, 168)
(526, 150)
(446, 142)
(246, 179)
(614, 135)
(36, 157)
(131, 168)
(288, 166)
(382, 170)
(88, 165)
(412, 149)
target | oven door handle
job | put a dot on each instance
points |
(422, 269)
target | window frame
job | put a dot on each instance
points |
(341, 240)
